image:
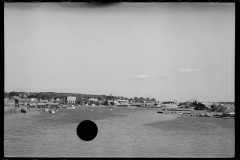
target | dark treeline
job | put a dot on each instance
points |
(79, 97)
(50, 95)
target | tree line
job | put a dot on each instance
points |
(79, 97)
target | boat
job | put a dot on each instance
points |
(160, 112)
(218, 116)
(227, 117)
(46, 110)
(179, 113)
(51, 111)
(186, 114)
(70, 107)
(23, 110)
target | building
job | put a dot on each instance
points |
(93, 99)
(9, 102)
(169, 104)
(52, 105)
(33, 100)
(57, 100)
(41, 105)
(71, 100)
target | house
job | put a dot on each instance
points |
(61, 100)
(51, 100)
(57, 100)
(33, 100)
(93, 99)
(9, 102)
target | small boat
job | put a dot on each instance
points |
(160, 112)
(23, 110)
(70, 108)
(218, 116)
(186, 114)
(228, 117)
(51, 111)
(46, 110)
(180, 113)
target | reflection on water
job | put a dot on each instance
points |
(130, 133)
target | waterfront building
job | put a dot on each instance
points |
(122, 102)
(93, 99)
(169, 104)
(71, 100)
(9, 102)
(41, 105)
(33, 100)
(52, 105)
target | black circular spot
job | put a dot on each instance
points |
(87, 130)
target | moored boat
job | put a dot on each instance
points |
(51, 111)
(23, 110)
(227, 117)
(72, 107)
(186, 114)
(46, 110)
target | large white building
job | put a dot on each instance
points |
(71, 99)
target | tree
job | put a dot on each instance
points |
(13, 94)
(6, 95)
(136, 99)
(153, 99)
(142, 99)
(147, 99)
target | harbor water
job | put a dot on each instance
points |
(129, 133)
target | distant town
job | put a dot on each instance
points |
(66, 100)
(33, 98)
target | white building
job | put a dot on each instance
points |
(71, 99)
(93, 99)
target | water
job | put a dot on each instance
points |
(130, 133)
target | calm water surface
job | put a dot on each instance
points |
(130, 133)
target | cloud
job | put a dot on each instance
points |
(187, 70)
(141, 77)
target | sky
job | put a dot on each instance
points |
(164, 51)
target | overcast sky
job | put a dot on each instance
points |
(164, 51)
